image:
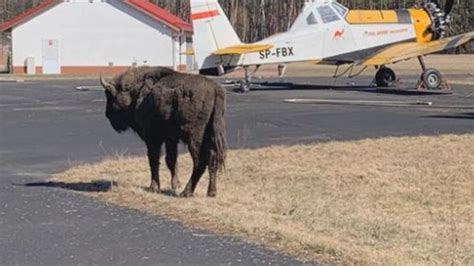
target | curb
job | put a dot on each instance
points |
(415, 104)
(12, 80)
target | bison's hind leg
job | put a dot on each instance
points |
(172, 163)
(200, 163)
(212, 188)
(198, 171)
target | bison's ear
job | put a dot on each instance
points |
(108, 86)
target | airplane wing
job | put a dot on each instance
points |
(403, 51)
(242, 49)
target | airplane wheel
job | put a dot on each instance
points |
(244, 87)
(385, 77)
(432, 79)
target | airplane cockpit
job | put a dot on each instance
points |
(320, 12)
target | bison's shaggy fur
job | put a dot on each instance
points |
(164, 107)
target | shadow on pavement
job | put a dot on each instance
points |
(94, 186)
(456, 116)
(282, 86)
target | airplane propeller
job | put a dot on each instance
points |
(440, 18)
(448, 7)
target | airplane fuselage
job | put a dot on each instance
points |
(337, 41)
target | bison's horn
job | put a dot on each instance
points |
(107, 86)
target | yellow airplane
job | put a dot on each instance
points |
(326, 32)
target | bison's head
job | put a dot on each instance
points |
(119, 109)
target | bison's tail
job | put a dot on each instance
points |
(218, 151)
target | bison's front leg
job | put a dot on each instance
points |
(154, 161)
(172, 163)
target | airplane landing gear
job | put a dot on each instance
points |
(385, 77)
(247, 82)
(430, 77)
(244, 86)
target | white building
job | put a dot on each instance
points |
(91, 36)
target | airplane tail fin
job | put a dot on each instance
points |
(212, 31)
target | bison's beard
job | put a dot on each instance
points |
(118, 127)
(119, 124)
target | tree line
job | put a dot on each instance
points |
(257, 19)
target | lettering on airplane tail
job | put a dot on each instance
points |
(338, 34)
(277, 53)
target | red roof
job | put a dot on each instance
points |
(28, 14)
(160, 14)
(144, 6)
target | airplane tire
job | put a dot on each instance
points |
(244, 87)
(385, 77)
(432, 79)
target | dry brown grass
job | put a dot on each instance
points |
(387, 201)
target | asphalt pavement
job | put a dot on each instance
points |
(49, 126)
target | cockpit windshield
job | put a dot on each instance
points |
(327, 14)
(339, 8)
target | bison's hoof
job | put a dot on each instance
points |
(186, 194)
(154, 189)
(175, 185)
(212, 194)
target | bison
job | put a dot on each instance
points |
(166, 107)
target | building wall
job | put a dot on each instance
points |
(95, 36)
(183, 43)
